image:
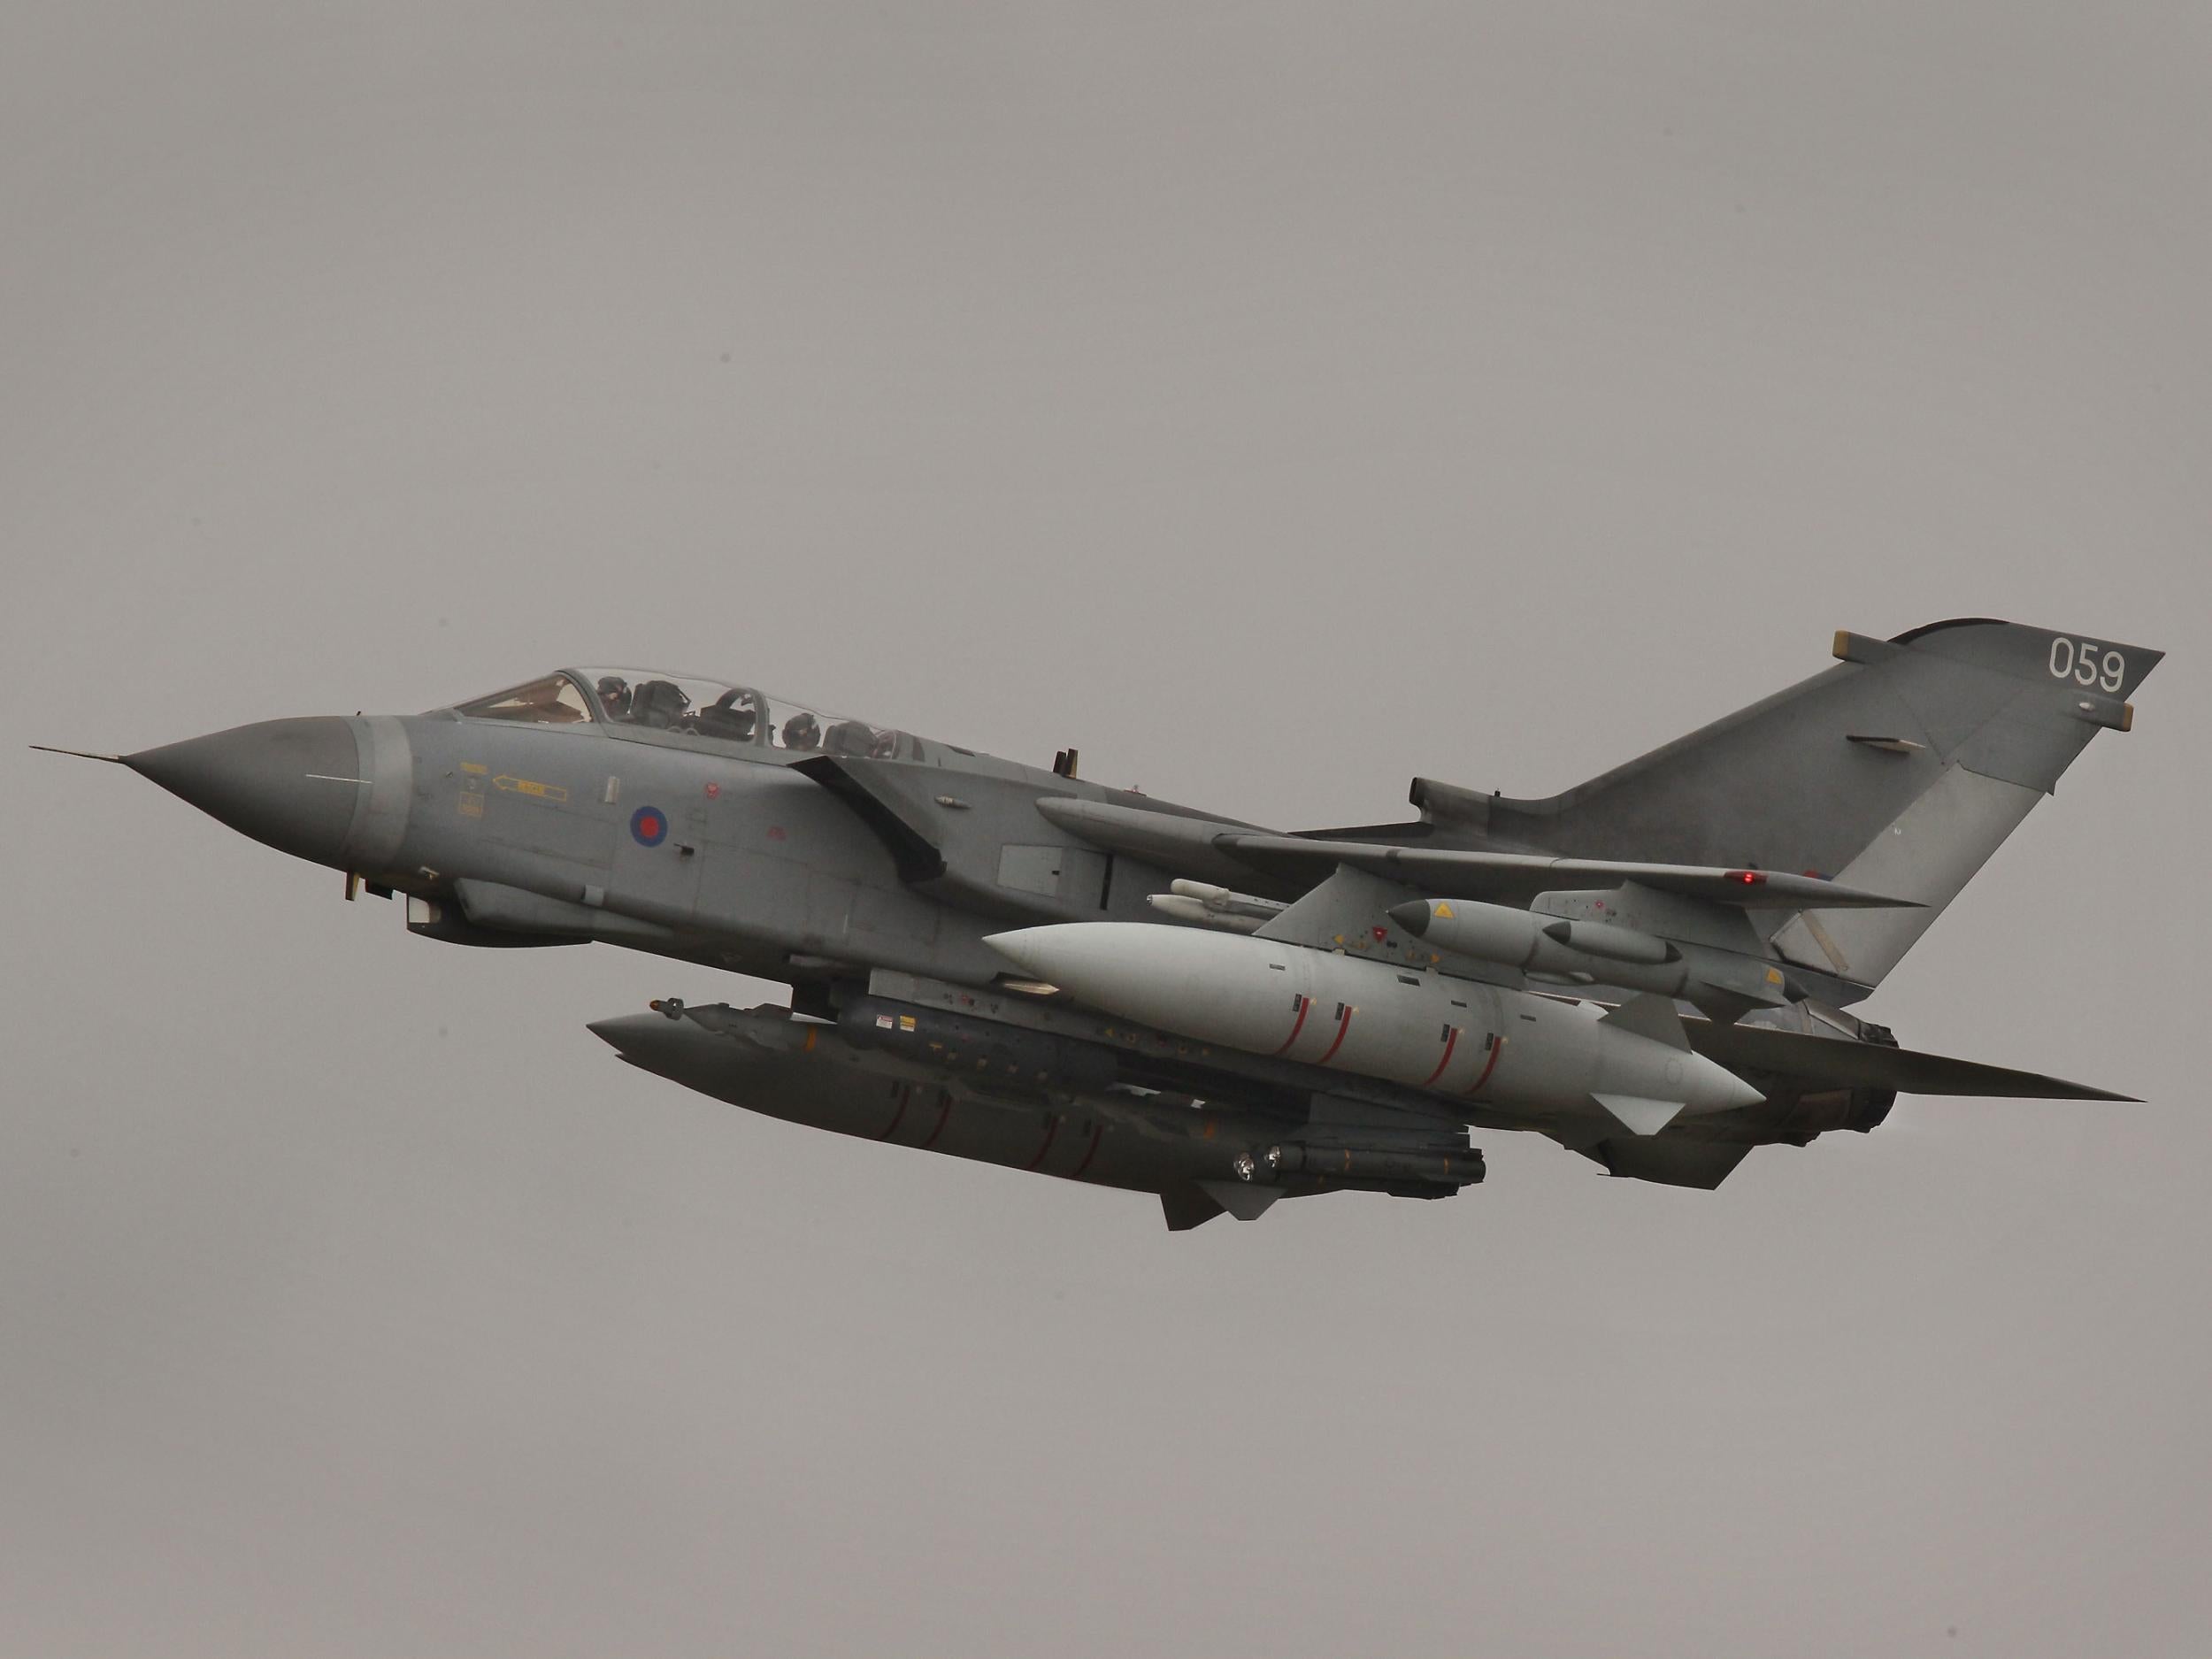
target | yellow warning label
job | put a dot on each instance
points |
(472, 806)
(530, 786)
(1443, 910)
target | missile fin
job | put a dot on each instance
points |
(1240, 1199)
(1651, 1016)
(1186, 1207)
(1642, 1116)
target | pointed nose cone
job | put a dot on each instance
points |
(292, 784)
(1028, 949)
(635, 1034)
(1413, 917)
(678, 1049)
(1719, 1089)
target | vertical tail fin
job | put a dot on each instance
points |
(1901, 768)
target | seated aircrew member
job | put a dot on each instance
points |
(658, 702)
(849, 737)
(725, 717)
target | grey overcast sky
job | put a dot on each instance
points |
(1275, 401)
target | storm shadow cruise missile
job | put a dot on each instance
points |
(1430, 1030)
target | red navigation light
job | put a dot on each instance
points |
(1749, 878)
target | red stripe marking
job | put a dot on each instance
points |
(944, 1098)
(906, 1094)
(1497, 1046)
(1304, 1002)
(1451, 1041)
(1342, 1025)
(1097, 1131)
(1051, 1130)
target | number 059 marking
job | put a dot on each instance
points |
(2080, 664)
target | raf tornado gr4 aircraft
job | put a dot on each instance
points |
(1004, 963)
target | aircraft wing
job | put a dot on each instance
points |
(1213, 850)
(1472, 875)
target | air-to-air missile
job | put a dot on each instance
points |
(1018, 965)
(1556, 950)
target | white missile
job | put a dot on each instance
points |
(1210, 906)
(1556, 950)
(1546, 944)
(1182, 908)
(1429, 1031)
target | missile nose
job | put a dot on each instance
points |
(1726, 1089)
(626, 1034)
(290, 784)
(677, 1049)
(1413, 916)
(1028, 949)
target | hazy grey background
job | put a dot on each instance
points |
(1274, 402)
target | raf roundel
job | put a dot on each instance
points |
(648, 826)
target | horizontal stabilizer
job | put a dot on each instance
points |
(1643, 1117)
(1838, 1063)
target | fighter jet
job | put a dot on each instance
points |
(1012, 964)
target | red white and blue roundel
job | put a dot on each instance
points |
(648, 826)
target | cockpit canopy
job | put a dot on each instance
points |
(684, 705)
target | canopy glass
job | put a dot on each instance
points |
(687, 706)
